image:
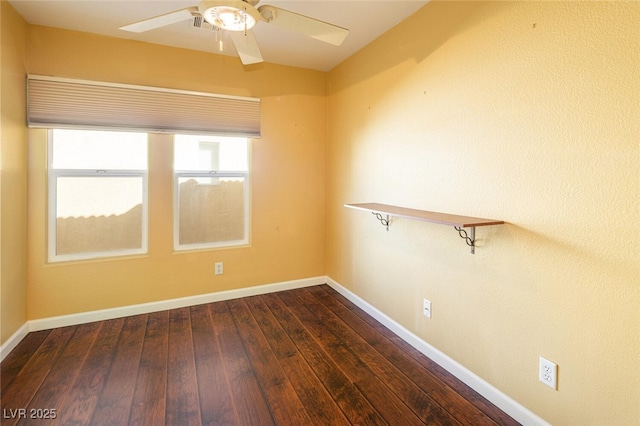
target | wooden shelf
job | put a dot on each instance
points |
(426, 216)
(457, 221)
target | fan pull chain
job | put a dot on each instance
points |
(219, 39)
(245, 21)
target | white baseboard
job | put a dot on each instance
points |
(517, 411)
(13, 341)
(145, 308)
(163, 305)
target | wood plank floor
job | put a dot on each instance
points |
(298, 357)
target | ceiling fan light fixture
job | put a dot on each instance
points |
(229, 15)
(239, 17)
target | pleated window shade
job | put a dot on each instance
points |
(64, 103)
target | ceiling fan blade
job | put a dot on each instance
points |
(310, 27)
(247, 46)
(161, 21)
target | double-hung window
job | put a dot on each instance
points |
(97, 194)
(98, 179)
(211, 192)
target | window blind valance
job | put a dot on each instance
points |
(66, 103)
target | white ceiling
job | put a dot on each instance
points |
(366, 20)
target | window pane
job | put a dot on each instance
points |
(211, 212)
(95, 150)
(98, 214)
(205, 153)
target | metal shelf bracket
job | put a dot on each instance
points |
(383, 221)
(465, 225)
(469, 239)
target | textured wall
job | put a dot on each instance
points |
(524, 112)
(13, 172)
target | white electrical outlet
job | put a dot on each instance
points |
(548, 373)
(426, 308)
(219, 268)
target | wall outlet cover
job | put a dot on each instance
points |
(426, 308)
(548, 373)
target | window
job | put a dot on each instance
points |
(211, 198)
(97, 194)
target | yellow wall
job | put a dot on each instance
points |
(520, 111)
(13, 172)
(288, 174)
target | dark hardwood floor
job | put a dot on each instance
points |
(298, 357)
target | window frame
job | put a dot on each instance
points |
(52, 180)
(246, 175)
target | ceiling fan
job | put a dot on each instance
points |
(239, 17)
